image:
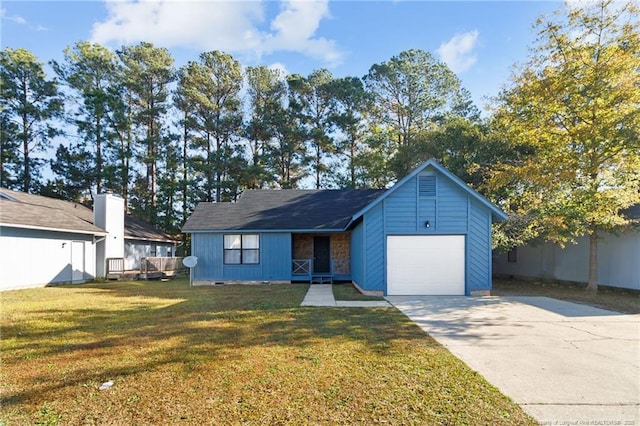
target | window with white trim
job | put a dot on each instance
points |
(241, 249)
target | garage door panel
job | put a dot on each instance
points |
(426, 265)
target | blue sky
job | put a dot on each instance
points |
(479, 40)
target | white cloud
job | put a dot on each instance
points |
(230, 26)
(457, 53)
(280, 67)
(15, 18)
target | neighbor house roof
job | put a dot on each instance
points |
(285, 209)
(22, 210)
(632, 212)
(136, 229)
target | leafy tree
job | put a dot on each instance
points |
(413, 92)
(311, 100)
(148, 72)
(575, 105)
(29, 104)
(90, 71)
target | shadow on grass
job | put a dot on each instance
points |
(98, 332)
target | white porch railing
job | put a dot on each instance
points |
(304, 267)
(149, 267)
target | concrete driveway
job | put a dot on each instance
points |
(563, 363)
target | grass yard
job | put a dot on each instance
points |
(612, 298)
(226, 355)
(347, 291)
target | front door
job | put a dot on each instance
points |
(321, 255)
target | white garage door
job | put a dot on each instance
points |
(425, 265)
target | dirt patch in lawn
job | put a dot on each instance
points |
(612, 298)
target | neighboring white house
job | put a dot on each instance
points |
(143, 240)
(618, 259)
(45, 241)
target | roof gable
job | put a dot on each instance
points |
(496, 213)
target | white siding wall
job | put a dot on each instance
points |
(618, 261)
(108, 214)
(136, 250)
(30, 258)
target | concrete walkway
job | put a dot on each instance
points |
(322, 295)
(562, 362)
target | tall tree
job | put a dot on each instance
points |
(29, 104)
(90, 70)
(148, 72)
(575, 104)
(348, 115)
(185, 106)
(119, 167)
(213, 85)
(287, 155)
(74, 168)
(266, 91)
(9, 152)
(412, 93)
(311, 100)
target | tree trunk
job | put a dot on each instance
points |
(592, 286)
(98, 156)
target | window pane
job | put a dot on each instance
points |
(250, 256)
(232, 241)
(232, 257)
(250, 241)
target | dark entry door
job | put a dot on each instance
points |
(321, 255)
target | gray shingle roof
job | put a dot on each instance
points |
(286, 209)
(20, 209)
(34, 211)
(137, 229)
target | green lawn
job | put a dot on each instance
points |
(226, 355)
(612, 298)
(347, 291)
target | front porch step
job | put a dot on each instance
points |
(321, 279)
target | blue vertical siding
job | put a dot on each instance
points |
(207, 247)
(452, 208)
(478, 249)
(375, 249)
(276, 256)
(275, 259)
(404, 212)
(358, 259)
(400, 209)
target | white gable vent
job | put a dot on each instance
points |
(427, 185)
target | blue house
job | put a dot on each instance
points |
(430, 234)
